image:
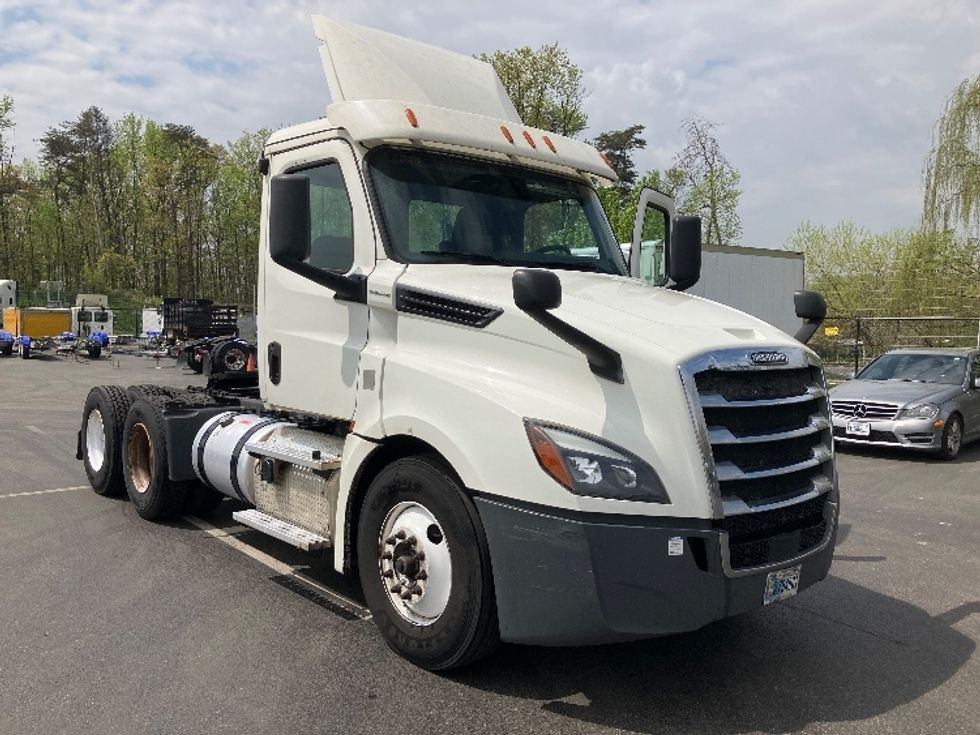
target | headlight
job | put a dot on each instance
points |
(588, 466)
(922, 411)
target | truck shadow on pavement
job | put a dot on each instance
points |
(839, 653)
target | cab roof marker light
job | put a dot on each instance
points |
(605, 159)
(547, 142)
(507, 135)
(529, 139)
(410, 116)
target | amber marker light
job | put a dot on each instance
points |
(547, 142)
(507, 135)
(939, 423)
(548, 454)
(529, 139)
(605, 159)
(410, 116)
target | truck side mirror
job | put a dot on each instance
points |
(536, 290)
(289, 218)
(684, 263)
(289, 237)
(811, 308)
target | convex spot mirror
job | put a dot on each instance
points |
(289, 218)
(811, 308)
(809, 305)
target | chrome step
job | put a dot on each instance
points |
(294, 535)
(314, 459)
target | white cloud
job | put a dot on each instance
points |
(826, 106)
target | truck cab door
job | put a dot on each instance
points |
(651, 233)
(309, 341)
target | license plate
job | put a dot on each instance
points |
(858, 428)
(781, 584)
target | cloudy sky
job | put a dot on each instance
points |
(825, 106)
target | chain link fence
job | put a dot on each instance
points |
(846, 344)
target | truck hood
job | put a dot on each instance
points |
(899, 392)
(624, 313)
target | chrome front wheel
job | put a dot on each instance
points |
(415, 563)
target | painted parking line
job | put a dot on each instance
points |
(43, 492)
(280, 568)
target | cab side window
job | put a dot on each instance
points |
(975, 370)
(331, 220)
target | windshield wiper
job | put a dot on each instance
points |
(466, 257)
(580, 266)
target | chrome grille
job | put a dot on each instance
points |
(767, 438)
(864, 409)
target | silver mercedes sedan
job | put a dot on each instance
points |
(926, 399)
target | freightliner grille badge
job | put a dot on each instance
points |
(769, 358)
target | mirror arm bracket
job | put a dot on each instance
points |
(603, 360)
(347, 288)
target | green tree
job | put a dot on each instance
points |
(618, 147)
(8, 178)
(897, 273)
(544, 85)
(952, 169)
(708, 183)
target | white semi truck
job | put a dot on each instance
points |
(465, 397)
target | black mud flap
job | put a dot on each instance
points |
(78, 445)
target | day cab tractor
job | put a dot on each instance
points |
(470, 401)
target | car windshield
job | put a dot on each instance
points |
(917, 368)
(439, 208)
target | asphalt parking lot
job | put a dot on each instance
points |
(111, 624)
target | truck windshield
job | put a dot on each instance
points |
(440, 208)
(917, 368)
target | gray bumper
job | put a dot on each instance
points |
(905, 433)
(577, 579)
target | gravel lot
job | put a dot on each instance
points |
(111, 624)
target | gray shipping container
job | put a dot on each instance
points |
(757, 281)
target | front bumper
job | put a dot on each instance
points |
(906, 433)
(571, 579)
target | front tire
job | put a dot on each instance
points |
(424, 566)
(952, 438)
(144, 450)
(25, 352)
(103, 420)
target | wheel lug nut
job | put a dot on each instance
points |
(422, 575)
(387, 574)
(411, 541)
(386, 556)
(407, 594)
(420, 555)
(396, 588)
(391, 541)
(400, 535)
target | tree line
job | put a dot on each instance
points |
(142, 209)
(135, 208)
